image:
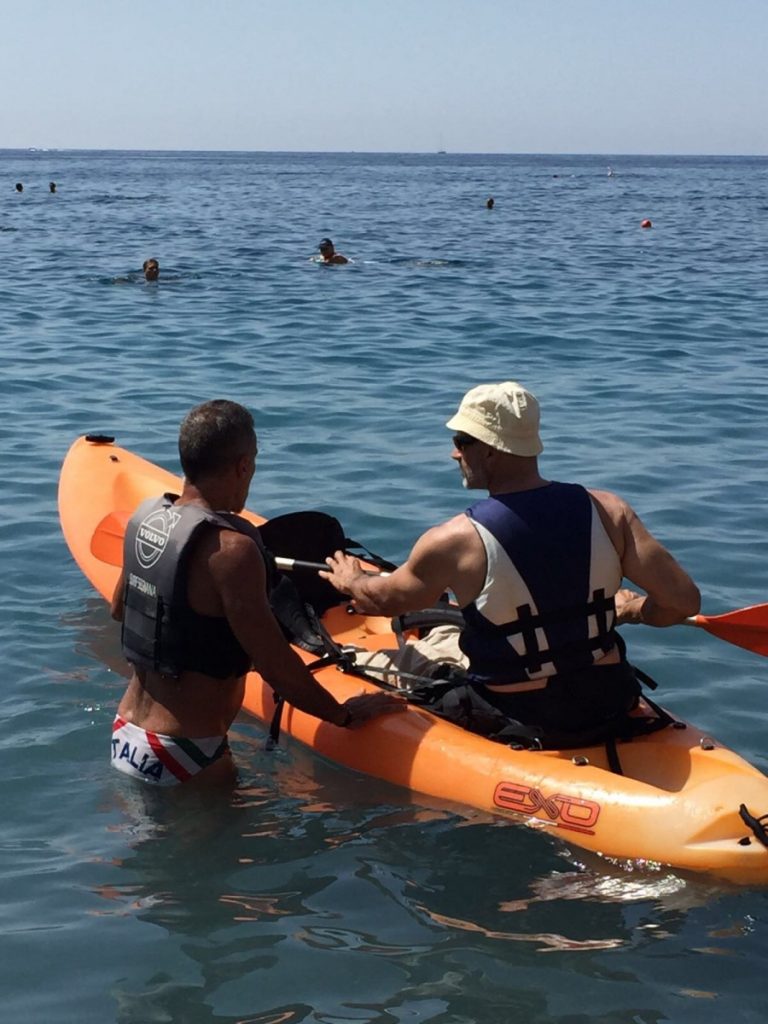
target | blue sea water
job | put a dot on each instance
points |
(314, 894)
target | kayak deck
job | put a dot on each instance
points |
(676, 803)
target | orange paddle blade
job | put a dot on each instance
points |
(746, 627)
(107, 539)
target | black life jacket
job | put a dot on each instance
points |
(160, 631)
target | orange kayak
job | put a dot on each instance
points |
(677, 802)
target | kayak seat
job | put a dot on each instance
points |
(309, 536)
(312, 536)
(299, 600)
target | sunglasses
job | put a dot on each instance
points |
(461, 440)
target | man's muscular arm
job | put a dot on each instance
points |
(431, 569)
(671, 595)
(238, 572)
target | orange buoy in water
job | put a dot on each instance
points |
(645, 224)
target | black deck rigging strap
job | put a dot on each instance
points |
(450, 698)
(378, 560)
(759, 826)
(274, 725)
(332, 655)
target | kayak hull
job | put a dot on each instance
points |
(676, 803)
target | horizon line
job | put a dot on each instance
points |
(370, 152)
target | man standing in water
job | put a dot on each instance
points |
(194, 606)
(536, 569)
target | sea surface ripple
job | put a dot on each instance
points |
(315, 894)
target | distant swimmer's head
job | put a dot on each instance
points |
(51, 186)
(19, 187)
(328, 252)
(646, 224)
(151, 270)
(489, 202)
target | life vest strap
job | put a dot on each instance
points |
(527, 623)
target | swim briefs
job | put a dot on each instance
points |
(161, 760)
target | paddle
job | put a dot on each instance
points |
(746, 627)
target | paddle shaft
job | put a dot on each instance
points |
(294, 564)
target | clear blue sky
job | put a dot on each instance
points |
(551, 76)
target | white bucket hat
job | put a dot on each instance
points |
(504, 416)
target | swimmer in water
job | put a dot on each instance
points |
(151, 270)
(51, 186)
(19, 187)
(329, 254)
(489, 203)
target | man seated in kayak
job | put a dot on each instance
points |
(194, 606)
(536, 569)
(328, 252)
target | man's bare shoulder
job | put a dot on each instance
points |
(230, 553)
(453, 531)
(614, 506)
(616, 515)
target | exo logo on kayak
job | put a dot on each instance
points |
(152, 535)
(563, 811)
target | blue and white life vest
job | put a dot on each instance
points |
(547, 603)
